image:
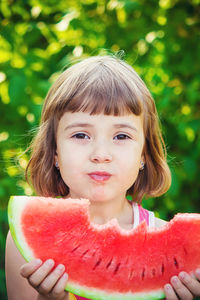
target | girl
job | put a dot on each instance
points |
(99, 139)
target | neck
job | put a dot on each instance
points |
(102, 212)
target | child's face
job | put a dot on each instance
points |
(99, 156)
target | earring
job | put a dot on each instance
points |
(57, 166)
(142, 165)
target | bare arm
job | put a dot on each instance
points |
(33, 281)
(17, 287)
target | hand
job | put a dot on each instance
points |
(47, 282)
(183, 286)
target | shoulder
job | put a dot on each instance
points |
(160, 223)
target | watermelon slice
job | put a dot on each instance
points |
(104, 261)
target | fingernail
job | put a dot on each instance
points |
(182, 275)
(65, 276)
(175, 279)
(37, 262)
(60, 267)
(168, 286)
(50, 262)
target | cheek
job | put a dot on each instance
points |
(67, 154)
(71, 164)
(70, 174)
(129, 166)
(131, 159)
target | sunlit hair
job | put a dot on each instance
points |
(99, 84)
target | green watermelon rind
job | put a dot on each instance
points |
(101, 295)
(15, 227)
(14, 213)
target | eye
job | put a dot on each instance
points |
(121, 136)
(80, 136)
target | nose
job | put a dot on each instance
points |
(100, 154)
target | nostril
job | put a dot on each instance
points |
(101, 159)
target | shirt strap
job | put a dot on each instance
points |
(141, 214)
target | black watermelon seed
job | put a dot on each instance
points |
(117, 268)
(176, 263)
(97, 264)
(163, 269)
(73, 250)
(143, 274)
(108, 265)
(85, 253)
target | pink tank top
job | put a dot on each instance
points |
(140, 214)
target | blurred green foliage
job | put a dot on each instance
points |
(161, 41)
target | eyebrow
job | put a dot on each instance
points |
(86, 125)
(124, 125)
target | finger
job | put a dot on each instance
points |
(180, 289)
(39, 275)
(27, 269)
(49, 282)
(170, 293)
(191, 283)
(60, 286)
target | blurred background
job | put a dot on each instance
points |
(160, 39)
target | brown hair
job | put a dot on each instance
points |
(99, 84)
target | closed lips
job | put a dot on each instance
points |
(100, 176)
(100, 173)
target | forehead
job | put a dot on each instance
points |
(84, 119)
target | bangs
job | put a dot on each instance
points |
(106, 90)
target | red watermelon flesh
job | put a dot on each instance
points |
(104, 261)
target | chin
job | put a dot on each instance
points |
(94, 195)
(100, 197)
